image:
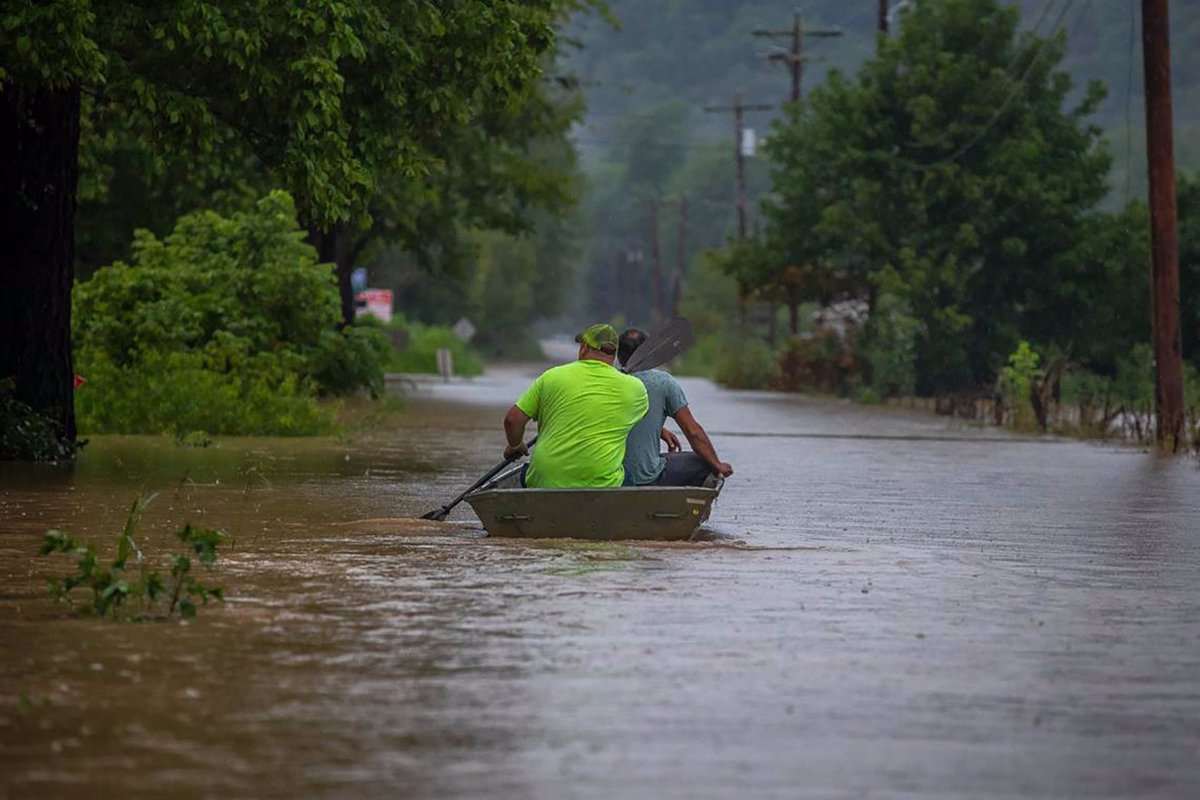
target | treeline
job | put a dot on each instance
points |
(407, 138)
(945, 203)
(916, 218)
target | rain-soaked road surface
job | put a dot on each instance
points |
(885, 606)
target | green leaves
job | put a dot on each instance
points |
(223, 325)
(120, 584)
(955, 160)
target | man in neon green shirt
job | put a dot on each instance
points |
(584, 412)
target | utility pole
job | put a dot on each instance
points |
(795, 56)
(1164, 235)
(883, 17)
(739, 108)
(680, 257)
(656, 287)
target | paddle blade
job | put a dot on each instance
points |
(438, 515)
(675, 337)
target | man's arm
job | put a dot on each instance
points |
(514, 431)
(700, 442)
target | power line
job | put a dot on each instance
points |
(1129, 103)
(1040, 49)
(795, 56)
(655, 142)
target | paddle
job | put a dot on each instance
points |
(657, 350)
(440, 513)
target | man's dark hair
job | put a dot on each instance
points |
(631, 340)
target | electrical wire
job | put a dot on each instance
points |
(1039, 50)
(1129, 103)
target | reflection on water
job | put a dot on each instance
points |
(880, 605)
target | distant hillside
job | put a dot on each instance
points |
(701, 52)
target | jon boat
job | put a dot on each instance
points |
(659, 513)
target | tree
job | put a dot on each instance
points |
(955, 159)
(330, 97)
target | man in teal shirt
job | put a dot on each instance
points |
(584, 412)
(644, 464)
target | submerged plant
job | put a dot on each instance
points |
(128, 582)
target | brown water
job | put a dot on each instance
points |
(880, 606)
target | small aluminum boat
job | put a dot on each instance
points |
(660, 513)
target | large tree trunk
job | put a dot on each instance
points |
(39, 155)
(334, 247)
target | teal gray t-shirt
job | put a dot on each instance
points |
(643, 455)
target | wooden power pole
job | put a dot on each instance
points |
(795, 56)
(883, 17)
(1164, 235)
(739, 109)
(680, 257)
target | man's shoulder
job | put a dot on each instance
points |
(656, 379)
(561, 371)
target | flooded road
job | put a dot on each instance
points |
(883, 604)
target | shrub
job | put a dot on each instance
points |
(128, 582)
(818, 363)
(350, 359)
(1017, 381)
(226, 325)
(701, 358)
(26, 435)
(181, 393)
(746, 363)
(889, 347)
(419, 354)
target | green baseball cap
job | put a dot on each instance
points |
(601, 337)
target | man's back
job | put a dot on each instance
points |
(584, 410)
(643, 461)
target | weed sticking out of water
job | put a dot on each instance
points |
(128, 588)
(192, 439)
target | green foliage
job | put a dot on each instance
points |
(26, 435)
(814, 363)
(954, 159)
(419, 354)
(226, 325)
(1188, 199)
(701, 358)
(330, 97)
(128, 588)
(1017, 381)
(746, 363)
(182, 392)
(888, 345)
(354, 357)
(1133, 385)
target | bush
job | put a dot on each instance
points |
(26, 435)
(700, 360)
(226, 325)
(419, 354)
(818, 363)
(889, 347)
(747, 363)
(1017, 381)
(352, 358)
(181, 393)
(129, 583)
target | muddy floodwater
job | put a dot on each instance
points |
(882, 605)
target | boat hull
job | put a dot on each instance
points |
(658, 513)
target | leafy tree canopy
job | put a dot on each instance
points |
(958, 159)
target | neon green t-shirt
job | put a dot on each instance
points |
(584, 412)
